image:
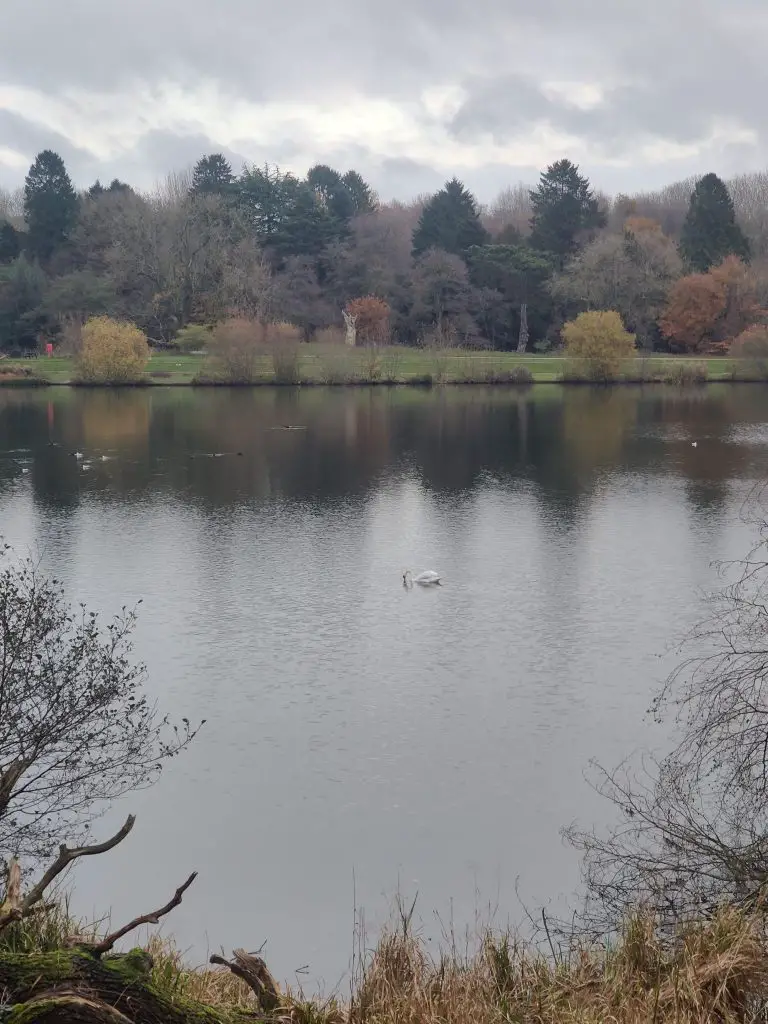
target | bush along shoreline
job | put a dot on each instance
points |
(239, 351)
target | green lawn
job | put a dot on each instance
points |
(343, 365)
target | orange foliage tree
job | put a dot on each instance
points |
(705, 312)
(371, 319)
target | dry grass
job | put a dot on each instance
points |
(711, 972)
(715, 970)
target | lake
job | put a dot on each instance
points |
(364, 739)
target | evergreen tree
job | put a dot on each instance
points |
(22, 288)
(287, 215)
(10, 243)
(97, 189)
(710, 232)
(564, 208)
(212, 176)
(519, 276)
(328, 186)
(450, 221)
(364, 198)
(50, 204)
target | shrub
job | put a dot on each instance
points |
(598, 343)
(235, 350)
(371, 319)
(520, 375)
(336, 365)
(391, 364)
(282, 341)
(112, 352)
(751, 349)
(193, 338)
(686, 374)
(372, 364)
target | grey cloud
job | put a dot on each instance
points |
(671, 67)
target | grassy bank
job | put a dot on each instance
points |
(315, 365)
(712, 971)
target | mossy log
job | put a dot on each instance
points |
(75, 986)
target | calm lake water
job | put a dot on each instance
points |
(362, 738)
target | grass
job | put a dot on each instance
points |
(712, 970)
(319, 364)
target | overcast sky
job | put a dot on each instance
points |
(408, 92)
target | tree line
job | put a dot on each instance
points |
(682, 269)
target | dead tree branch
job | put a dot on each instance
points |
(255, 973)
(65, 858)
(153, 917)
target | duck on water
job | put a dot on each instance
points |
(428, 578)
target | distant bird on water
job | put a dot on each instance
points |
(694, 444)
(428, 578)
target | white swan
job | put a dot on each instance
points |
(428, 578)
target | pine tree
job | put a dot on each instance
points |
(212, 176)
(364, 198)
(328, 186)
(50, 204)
(710, 232)
(450, 221)
(564, 208)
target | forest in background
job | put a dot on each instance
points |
(685, 267)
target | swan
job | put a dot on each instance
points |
(428, 578)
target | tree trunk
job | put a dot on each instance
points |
(74, 986)
(522, 339)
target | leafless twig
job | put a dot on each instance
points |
(153, 917)
(22, 908)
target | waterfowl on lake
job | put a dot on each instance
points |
(428, 578)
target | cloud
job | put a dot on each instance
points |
(408, 92)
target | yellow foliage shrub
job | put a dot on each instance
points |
(599, 343)
(112, 352)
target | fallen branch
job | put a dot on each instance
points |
(255, 973)
(65, 857)
(153, 917)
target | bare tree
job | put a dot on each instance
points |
(12, 206)
(630, 272)
(76, 729)
(693, 828)
(750, 200)
(511, 208)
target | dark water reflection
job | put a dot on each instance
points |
(431, 740)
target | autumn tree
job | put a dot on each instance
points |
(371, 319)
(710, 232)
(50, 205)
(112, 352)
(450, 222)
(565, 210)
(705, 312)
(630, 272)
(599, 343)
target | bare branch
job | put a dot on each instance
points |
(255, 973)
(153, 917)
(19, 909)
